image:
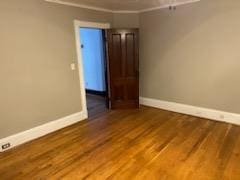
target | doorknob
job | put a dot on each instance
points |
(82, 46)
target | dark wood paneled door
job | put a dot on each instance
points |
(123, 66)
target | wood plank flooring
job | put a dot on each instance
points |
(130, 144)
(96, 105)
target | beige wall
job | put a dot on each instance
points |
(188, 56)
(121, 20)
(37, 45)
(192, 55)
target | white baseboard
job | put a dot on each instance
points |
(50, 127)
(42, 130)
(192, 110)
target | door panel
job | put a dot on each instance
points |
(116, 52)
(130, 59)
(123, 50)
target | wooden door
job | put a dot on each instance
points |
(123, 64)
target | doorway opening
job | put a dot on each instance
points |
(120, 55)
(93, 50)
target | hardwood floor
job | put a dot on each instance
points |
(130, 144)
(96, 105)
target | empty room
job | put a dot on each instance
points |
(120, 89)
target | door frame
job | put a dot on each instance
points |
(77, 25)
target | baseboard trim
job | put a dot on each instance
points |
(42, 130)
(192, 110)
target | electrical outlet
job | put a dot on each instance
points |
(6, 146)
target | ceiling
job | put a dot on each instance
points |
(122, 5)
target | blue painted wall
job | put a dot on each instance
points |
(93, 58)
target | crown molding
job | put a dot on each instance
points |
(119, 11)
(79, 5)
(167, 6)
(89, 7)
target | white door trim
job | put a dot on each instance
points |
(77, 25)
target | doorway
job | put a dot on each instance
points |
(77, 25)
(122, 65)
(94, 67)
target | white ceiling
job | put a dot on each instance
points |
(123, 5)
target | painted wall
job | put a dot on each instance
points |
(37, 47)
(93, 59)
(130, 20)
(191, 55)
